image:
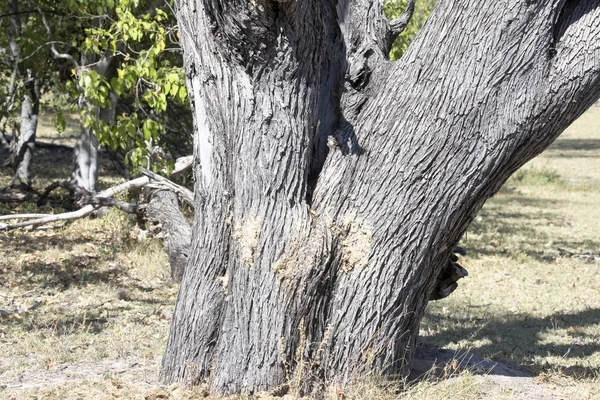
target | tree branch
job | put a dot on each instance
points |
(55, 52)
(185, 193)
(398, 25)
(92, 202)
(48, 219)
(366, 33)
(30, 12)
(22, 216)
(576, 41)
(110, 202)
(84, 211)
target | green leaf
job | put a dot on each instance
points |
(61, 122)
(174, 90)
(147, 130)
(182, 94)
(117, 85)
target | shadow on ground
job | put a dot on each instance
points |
(518, 340)
(574, 148)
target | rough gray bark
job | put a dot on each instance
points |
(164, 209)
(85, 152)
(336, 251)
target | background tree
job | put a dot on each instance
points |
(393, 11)
(121, 64)
(28, 68)
(132, 100)
(303, 251)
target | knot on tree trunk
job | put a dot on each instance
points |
(446, 281)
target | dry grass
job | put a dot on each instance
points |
(81, 295)
(84, 310)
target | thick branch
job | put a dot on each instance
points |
(366, 34)
(469, 102)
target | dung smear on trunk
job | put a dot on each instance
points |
(307, 250)
(356, 241)
(246, 234)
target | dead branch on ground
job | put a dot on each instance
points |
(90, 202)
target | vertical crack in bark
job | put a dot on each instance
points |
(563, 20)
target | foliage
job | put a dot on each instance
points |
(31, 61)
(149, 80)
(393, 9)
(64, 41)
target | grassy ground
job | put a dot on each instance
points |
(524, 304)
(84, 310)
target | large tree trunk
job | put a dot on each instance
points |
(332, 185)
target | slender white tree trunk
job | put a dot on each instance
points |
(22, 146)
(25, 143)
(85, 152)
